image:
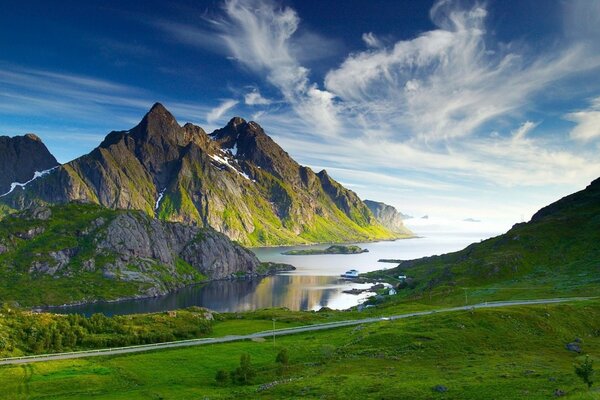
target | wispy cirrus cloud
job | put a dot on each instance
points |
(587, 122)
(448, 82)
(255, 98)
(259, 35)
(216, 113)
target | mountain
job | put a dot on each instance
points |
(20, 158)
(236, 180)
(556, 252)
(84, 252)
(388, 216)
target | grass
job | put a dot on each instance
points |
(556, 254)
(516, 352)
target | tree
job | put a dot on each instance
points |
(222, 377)
(585, 371)
(282, 357)
(245, 372)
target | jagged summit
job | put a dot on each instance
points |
(33, 137)
(158, 122)
(237, 180)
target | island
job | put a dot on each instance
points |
(334, 249)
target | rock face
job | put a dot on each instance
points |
(20, 158)
(90, 245)
(236, 180)
(388, 216)
(136, 236)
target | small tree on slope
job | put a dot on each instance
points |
(585, 371)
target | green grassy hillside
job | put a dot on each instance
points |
(557, 253)
(517, 353)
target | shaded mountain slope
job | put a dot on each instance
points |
(20, 158)
(236, 180)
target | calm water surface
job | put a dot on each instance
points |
(313, 285)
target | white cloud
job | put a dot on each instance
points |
(448, 82)
(523, 130)
(217, 112)
(587, 122)
(259, 35)
(371, 40)
(254, 98)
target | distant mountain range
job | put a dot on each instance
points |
(236, 180)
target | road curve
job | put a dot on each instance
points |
(277, 332)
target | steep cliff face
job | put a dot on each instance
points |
(107, 254)
(20, 158)
(388, 216)
(236, 180)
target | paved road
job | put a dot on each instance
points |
(265, 334)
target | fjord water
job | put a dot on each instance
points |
(314, 284)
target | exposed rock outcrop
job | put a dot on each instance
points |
(91, 247)
(388, 216)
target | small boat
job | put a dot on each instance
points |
(350, 274)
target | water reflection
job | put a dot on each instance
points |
(313, 285)
(296, 292)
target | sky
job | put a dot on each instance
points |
(464, 111)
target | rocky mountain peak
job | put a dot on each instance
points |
(33, 136)
(236, 122)
(158, 122)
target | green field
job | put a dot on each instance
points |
(515, 352)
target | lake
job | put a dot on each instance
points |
(314, 284)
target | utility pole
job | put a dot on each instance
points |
(466, 298)
(273, 333)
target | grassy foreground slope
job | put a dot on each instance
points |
(557, 253)
(515, 352)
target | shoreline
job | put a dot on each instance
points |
(50, 308)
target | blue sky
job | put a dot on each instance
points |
(454, 109)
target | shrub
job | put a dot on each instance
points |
(585, 371)
(222, 377)
(245, 372)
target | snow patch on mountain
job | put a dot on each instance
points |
(36, 175)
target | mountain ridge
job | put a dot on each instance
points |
(236, 180)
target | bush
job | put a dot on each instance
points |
(282, 357)
(222, 377)
(585, 371)
(245, 372)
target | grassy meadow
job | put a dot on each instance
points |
(514, 352)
